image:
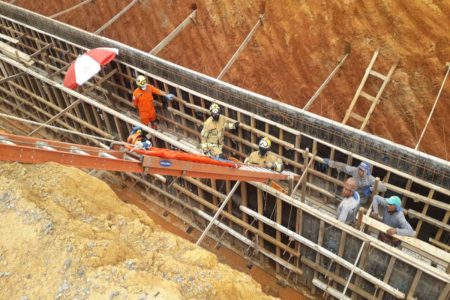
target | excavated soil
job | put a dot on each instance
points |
(66, 235)
(297, 47)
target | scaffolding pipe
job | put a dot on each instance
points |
(224, 202)
(241, 47)
(69, 9)
(377, 282)
(113, 19)
(434, 106)
(174, 33)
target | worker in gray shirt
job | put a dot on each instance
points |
(348, 208)
(361, 174)
(393, 216)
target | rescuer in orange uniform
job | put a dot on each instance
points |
(143, 101)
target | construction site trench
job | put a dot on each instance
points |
(88, 243)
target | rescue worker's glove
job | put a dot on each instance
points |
(170, 97)
(367, 191)
(277, 167)
(142, 145)
(147, 145)
(205, 149)
(323, 167)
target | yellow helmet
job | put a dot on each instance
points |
(140, 81)
(265, 143)
(214, 108)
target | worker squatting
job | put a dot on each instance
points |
(358, 188)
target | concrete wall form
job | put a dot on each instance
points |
(198, 194)
(416, 163)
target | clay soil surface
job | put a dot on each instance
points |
(67, 235)
(297, 47)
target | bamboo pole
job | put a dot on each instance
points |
(113, 19)
(222, 206)
(241, 47)
(325, 83)
(353, 269)
(69, 9)
(434, 106)
(174, 33)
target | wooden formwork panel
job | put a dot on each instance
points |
(40, 100)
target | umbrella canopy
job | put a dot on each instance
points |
(87, 65)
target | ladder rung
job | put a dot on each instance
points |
(357, 117)
(376, 74)
(367, 96)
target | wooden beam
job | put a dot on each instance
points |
(415, 245)
(219, 210)
(325, 83)
(8, 38)
(330, 290)
(174, 33)
(434, 106)
(113, 19)
(41, 50)
(11, 77)
(241, 47)
(430, 220)
(15, 54)
(69, 9)
(388, 288)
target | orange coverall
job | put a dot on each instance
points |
(143, 100)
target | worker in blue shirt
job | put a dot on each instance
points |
(393, 217)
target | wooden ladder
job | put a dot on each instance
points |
(373, 99)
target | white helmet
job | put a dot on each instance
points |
(265, 143)
(140, 81)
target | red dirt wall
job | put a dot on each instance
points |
(297, 47)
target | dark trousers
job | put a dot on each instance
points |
(389, 239)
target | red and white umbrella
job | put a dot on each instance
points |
(87, 65)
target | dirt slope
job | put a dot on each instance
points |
(297, 47)
(82, 242)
